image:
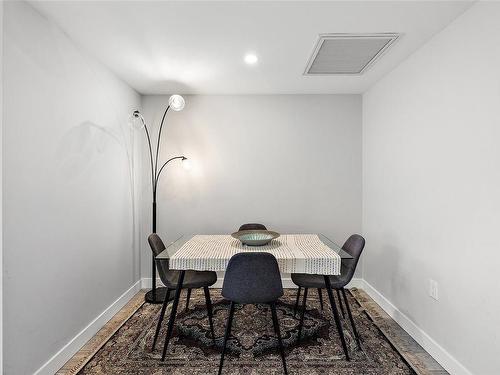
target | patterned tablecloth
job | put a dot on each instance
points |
(296, 253)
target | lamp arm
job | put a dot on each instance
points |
(158, 144)
(161, 169)
(150, 148)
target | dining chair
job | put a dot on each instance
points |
(354, 246)
(252, 226)
(252, 277)
(192, 280)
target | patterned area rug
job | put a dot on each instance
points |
(252, 348)
(250, 337)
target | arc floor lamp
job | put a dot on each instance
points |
(176, 103)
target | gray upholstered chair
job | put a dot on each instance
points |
(253, 226)
(192, 279)
(354, 246)
(252, 277)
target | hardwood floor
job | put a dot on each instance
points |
(419, 360)
(86, 353)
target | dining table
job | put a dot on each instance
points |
(295, 253)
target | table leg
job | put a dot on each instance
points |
(173, 313)
(340, 304)
(301, 323)
(297, 302)
(208, 302)
(187, 299)
(320, 295)
(160, 319)
(351, 319)
(336, 315)
(278, 334)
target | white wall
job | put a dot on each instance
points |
(431, 182)
(1, 188)
(67, 199)
(292, 162)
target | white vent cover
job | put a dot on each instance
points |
(347, 53)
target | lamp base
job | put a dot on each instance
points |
(160, 295)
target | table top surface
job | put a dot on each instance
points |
(177, 244)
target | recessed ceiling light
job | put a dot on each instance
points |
(251, 58)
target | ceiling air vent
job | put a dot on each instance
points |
(347, 53)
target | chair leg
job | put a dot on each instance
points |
(351, 319)
(226, 336)
(320, 295)
(297, 302)
(278, 333)
(160, 319)
(173, 313)
(340, 304)
(187, 299)
(336, 316)
(208, 302)
(301, 323)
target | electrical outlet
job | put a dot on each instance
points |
(433, 289)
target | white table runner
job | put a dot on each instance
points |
(296, 253)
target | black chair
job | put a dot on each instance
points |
(252, 226)
(252, 278)
(354, 246)
(192, 279)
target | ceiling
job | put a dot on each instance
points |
(188, 47)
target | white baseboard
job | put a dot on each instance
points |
(356, 283)
(445, 359)
(68, 350)
(287, 283)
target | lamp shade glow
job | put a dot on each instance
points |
(186, 164)
(251, 59)
(176, 102)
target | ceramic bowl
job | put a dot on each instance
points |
(255, 237)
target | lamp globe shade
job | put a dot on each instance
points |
(176, 102)
(136, 121)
